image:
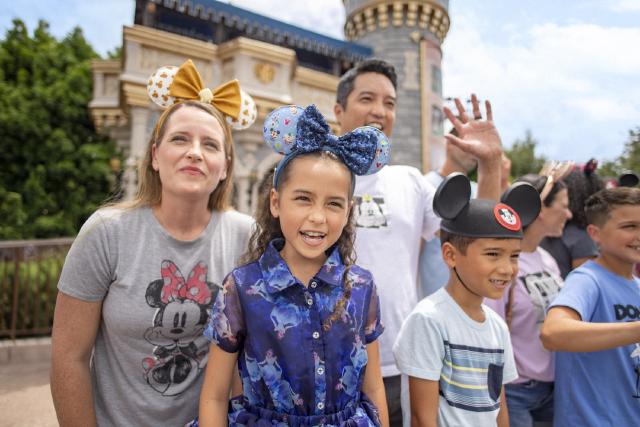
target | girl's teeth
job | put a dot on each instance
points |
(312, 234)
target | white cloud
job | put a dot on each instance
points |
(626, 6)
(566, 83)
(322, 16)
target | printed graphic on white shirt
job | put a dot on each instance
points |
(542, 288)
(371, 211)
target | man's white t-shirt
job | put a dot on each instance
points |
(394, 212)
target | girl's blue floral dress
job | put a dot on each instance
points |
(294, 372)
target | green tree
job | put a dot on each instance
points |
(629, 160)
(523, 156)
(55, 167)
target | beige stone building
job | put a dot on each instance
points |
(276, 63)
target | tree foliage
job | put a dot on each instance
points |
(55, 167)
(628, 161)
(523, 156)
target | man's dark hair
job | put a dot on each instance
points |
(598, 207)
(373, 65)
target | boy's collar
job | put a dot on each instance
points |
(277, 274)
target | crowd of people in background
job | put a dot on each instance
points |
(506, 301)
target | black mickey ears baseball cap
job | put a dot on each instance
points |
(519, 206)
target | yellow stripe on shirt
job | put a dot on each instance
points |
(474, 387)
(465, 368)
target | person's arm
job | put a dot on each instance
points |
(75, 325)
(505, 173)
(214, 397)
(424, 398)
(480, 139)
(503, 413)
(564, 330)
(372, 385)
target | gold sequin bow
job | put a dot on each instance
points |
(187, 84)
(172, 84)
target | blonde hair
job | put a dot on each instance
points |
(149, 185)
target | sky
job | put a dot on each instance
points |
(564, 70)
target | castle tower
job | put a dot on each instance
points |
(408, 34)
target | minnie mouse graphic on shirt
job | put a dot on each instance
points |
(181, 316)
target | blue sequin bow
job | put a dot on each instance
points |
(292, 131)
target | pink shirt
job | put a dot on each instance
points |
(537, 285)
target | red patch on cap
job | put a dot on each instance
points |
(507, 217)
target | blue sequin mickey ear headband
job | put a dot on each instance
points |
(292, 131)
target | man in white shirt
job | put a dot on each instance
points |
(394, 207)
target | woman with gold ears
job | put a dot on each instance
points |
(138, 282)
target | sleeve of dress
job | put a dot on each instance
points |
(226, 327)
(88, 268)
(374, 326)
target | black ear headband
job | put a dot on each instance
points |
(628, 179)
(518, 207)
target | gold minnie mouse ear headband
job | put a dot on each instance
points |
(554, 171)
(170, 85)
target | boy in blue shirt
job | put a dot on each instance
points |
(593, 322)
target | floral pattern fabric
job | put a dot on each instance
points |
(294, 371)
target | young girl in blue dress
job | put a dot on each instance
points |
(301, 319)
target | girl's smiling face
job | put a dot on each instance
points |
(313, 205)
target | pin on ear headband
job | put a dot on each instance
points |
(292, 131)
(519, 206)
(169, 85)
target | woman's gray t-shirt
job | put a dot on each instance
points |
(156, 291)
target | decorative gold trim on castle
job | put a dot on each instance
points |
(380, 13)
(111, 66)
(108, 117)
(135, 95)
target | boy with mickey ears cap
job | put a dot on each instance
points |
(456, 351)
